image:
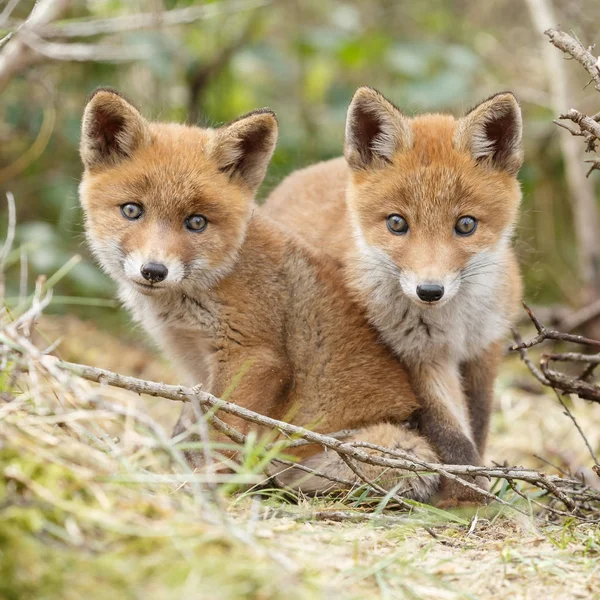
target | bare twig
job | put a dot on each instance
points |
(559, 382)
(554, 484)
(595, 165)
(551, 334)
(587, 124)
(571, 416)
(522, 349)
(10, 236)
(30, 41)
(76, 52)
(153, 20)
(581, 191)
(555, 379)
(569, 385)
(580, 317)
(16, 55)
(576, 50)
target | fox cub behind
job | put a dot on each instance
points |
(224, 291)
(420, 212)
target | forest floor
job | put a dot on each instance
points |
(70, 529)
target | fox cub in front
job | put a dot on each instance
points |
(240, 305)
(421, 214)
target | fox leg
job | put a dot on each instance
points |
(478, 382)
(445, 423)
(396, 437)
(256, 384)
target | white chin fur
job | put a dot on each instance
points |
(467, 319)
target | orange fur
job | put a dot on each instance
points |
(243, 300)
(431, 170)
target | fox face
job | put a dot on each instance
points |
(433, 200)
(167, 205)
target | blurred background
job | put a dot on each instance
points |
(208, 62)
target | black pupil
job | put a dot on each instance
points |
(197, 222)
(131, 210)
(465, 224)
(397, 223)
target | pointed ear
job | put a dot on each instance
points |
(492, 132)
(375, 130)
(111, 129)
(243, 148)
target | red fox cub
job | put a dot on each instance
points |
(421, 214)
(223, 290)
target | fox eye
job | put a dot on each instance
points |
(131, 211)
(196, 223)
(465, 225)
(397, 224)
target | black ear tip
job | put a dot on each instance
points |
(365, 93)
(257, 113)
(366, 98)
(108, 91)
(266, 111)
(103, 90)
(507, 98)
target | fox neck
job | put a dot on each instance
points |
(460, 329)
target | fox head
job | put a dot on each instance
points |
(167, 205)
(433, 199)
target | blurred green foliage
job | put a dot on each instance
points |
(304, 59)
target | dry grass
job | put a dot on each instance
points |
(83, 513)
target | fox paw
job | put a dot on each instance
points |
(453, 494)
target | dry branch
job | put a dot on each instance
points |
(575, 49)
(560, 487)
(581, 191)
(37, 39)
(589, 128)
(566, 384)
(16, 347)
(154, 20)
(16, 55)
(560, 382)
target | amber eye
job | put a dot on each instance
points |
(196, 223)
(132, 211)
(397, 224)
(466, 225)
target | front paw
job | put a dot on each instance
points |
(453, 494)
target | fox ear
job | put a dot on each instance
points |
(243, 148)
(111, 129)
(492, 132)
(375, 130)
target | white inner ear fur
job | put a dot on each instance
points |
(245, 147)
(394, 131)
(101, 114)
(505, 147)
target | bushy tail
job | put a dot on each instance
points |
(395, 437)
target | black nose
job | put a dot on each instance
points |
(430, 292)
(154, 272)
